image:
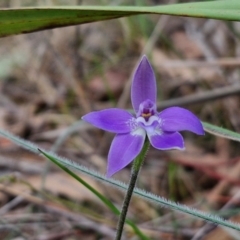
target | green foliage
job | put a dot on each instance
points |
(221, 132)
(32, 19)
(26, 20)
(107, 202)
(115, 183)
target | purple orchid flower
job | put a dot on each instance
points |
(161, 128)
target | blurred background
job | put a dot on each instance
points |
(49, 79)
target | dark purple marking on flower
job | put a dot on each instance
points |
(162, 128)
(147, 109)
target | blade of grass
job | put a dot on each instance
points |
(221, 132)
(26, 20)
(107, 202)
(115, 183)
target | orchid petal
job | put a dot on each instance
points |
(113, 120)
(176, 119)
(166, 141)
(143, 84)
(123, 150)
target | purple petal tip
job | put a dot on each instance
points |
(143, 84)
(112, 120)
(180, 119)
(123, 150)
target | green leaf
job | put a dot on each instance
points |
(221, 132)
(26, 20)
(115, 183)
(107, 202)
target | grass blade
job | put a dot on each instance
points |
(107, 202)
(115, 183)
(221, 132)
(26, 20)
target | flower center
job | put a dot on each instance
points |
(147, 119)
(146, 115)
(147, 109)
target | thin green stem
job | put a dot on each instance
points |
(135, 170)
(126, 202)
(107, 202)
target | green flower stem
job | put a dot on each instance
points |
(135, 170)
(107, 202)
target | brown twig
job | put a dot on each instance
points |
(59, 210)
(202, 97)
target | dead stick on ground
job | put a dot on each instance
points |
(58, 210)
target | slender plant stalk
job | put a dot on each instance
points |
(135, 170)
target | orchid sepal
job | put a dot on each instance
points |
(162, 129)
